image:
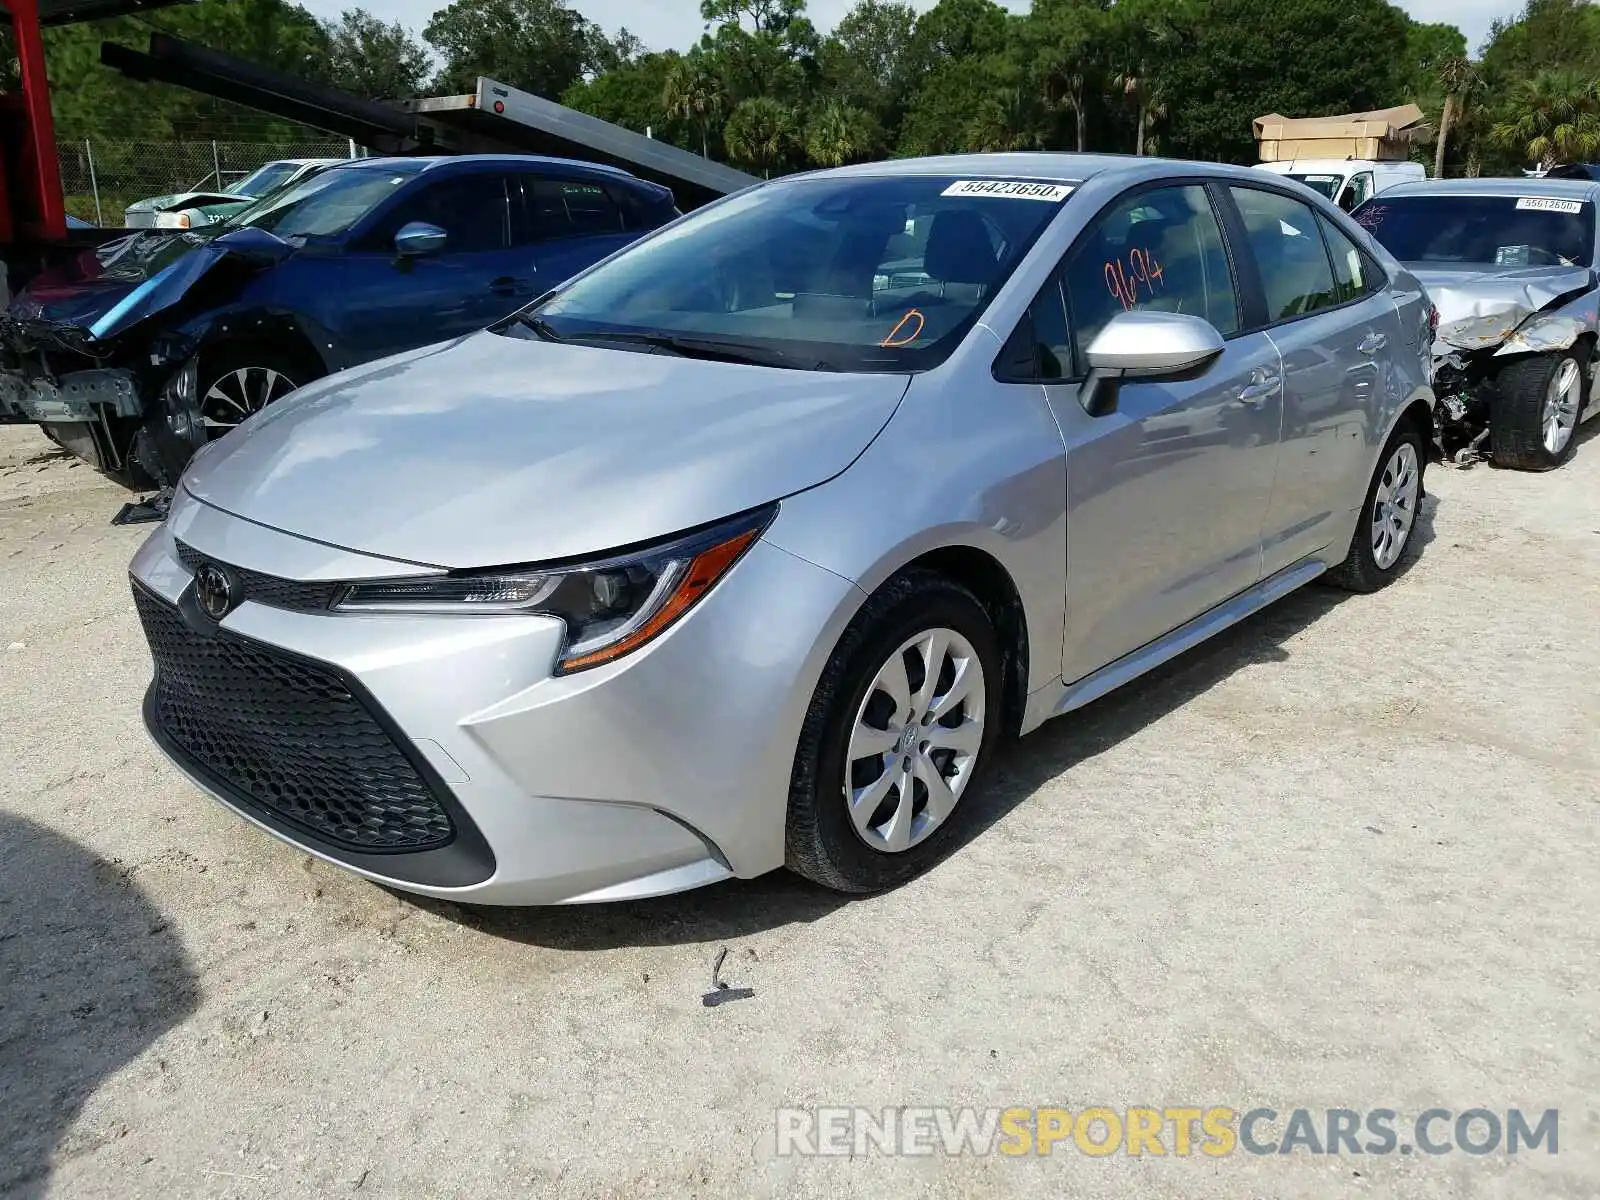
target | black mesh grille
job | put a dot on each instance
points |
(269, 589)
(288, 736)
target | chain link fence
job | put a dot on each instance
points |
(100, 177)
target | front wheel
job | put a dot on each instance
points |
(1388, 515)
(238, 381)
(1534, 414)
(906, 715)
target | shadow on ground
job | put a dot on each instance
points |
(90, 976)
(744, 907)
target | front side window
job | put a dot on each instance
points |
(1504, 231)
(1357, 191)
(1159, 251)
(858, 274)
(1287, 245)
(471, 209)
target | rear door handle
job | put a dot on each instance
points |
(504, 286)
(1372, 343)
(1262, 385)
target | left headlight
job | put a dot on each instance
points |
(611, 606)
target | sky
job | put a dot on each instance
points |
(676, 24)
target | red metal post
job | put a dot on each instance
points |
(37, 198)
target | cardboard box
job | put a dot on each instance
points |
(1383, 134)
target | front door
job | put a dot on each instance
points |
(393, 304)
(1167, 492)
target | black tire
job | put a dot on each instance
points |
(1516, 414)
(1360, 572)
(821, 841)
(218, 370)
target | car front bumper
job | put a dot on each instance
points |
(663, 771)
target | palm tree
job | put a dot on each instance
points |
(693, 93)
(1551, 118)
(840, 133)
(760, 132)
(1009, 119)
(1458, 78)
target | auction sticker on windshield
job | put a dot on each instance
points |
(1010, 189)
(1541, 204)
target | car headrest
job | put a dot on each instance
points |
(959, 250)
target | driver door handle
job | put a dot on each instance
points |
(504, 286)
(1263, 383)
(1372, 343)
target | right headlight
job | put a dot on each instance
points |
(610, 606)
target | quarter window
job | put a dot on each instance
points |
(1158, 251)
(1288, 249)
(1353, 274)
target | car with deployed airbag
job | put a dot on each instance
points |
(750, 546)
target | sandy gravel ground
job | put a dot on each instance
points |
(1343, 857)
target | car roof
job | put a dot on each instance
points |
(1552, 189)
(447, 162)
(1059, 167)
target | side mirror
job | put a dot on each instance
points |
(1146, 345)
(417, 239)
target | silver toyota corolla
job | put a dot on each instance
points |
(749, 546)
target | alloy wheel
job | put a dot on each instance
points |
(241, 393)
(915, 740)
(1561, 400)
(1394, 505)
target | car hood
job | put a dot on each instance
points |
(1481, 306)
(110, 288)
(181, 200)
(492, 450)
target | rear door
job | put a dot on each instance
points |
(565, 225)
(1166, 493)
(1335, 326)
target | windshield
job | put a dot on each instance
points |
(1326, 184)
(264, 179)
(853, 274)
(327, 203)
(1502, 231)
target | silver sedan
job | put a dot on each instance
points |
(750, 546)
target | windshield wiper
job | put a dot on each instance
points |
(683, 345)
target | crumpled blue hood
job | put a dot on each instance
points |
(109, 289)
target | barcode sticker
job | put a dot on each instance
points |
(1010, 189)
(1543, 204)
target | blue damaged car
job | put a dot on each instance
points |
(142, 349)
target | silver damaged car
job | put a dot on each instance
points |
(1511, 266)
(750, 546)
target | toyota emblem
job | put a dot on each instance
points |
(213, 588)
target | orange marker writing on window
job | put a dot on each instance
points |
(894, 338)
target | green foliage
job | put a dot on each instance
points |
(764, 88)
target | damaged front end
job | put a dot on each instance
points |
(1487, 318)
(103, 356)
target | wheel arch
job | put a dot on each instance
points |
(986, 577)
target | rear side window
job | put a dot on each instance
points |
(1158, 251)
(1354, 274)
(564, 208)
(1283, 235)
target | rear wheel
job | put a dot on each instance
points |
(1534, 415)
(905, 717)
(1388, 517)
